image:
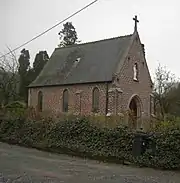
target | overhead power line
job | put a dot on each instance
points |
(85, 7)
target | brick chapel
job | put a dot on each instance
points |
(106, 77)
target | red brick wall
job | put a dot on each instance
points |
(142, 88)
(52, 97)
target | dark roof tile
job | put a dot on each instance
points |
(97, 63)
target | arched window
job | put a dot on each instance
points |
(65, 100)
(95, 100)
(40, 101)
(136, 72)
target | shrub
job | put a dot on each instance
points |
(15, 109)
(15, 104)
(79, 136)
(167, 154)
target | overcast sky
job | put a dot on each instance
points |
(159, 25)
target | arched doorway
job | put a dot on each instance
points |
(135, 110)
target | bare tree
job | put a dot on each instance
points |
(8, 78)
(165, 81)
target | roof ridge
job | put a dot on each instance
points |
(92, 42)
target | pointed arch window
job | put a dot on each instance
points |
(136, 72)
(65, 100)
(40, 101)
(152, 104)
(95, 100)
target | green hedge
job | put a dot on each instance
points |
(80, 137)
(167, 154)
(14, 109)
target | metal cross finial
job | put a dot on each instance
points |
(136, 21)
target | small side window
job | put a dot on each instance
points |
(152, 105)
(65, 100)
(40, 101)
(95, 100)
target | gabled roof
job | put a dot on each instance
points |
(84, 63)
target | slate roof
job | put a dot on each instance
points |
(83, 63)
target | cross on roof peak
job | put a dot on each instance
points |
(136, 21)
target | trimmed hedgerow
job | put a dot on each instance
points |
(167, 153)
(79, 137)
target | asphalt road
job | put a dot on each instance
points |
(19, 164)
